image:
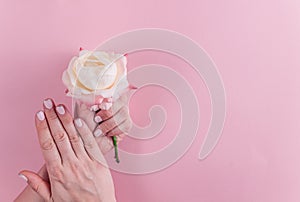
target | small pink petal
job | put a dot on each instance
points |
(80, 49)
(132, 87)
(99, 100)
(109, 99)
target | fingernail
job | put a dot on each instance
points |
(105, 105)
(97, 119)
(23, 177)
(60, 109)
(94, 108)
(78, 122)
(98, 132)
(48, 103)
(41, 115)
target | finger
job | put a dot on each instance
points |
(103, 115)
(81, 110)
(89, 141)
(67, 122)
(37, 183)
(109, 110)
(104, 127)
(48, 147)
(58, 132)
(109, 124)
(122, 128)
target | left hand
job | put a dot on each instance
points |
(76, 167)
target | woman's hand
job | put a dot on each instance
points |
(107, 123)
(108, 119)
(76, 167)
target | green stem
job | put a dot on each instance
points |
(114, 138)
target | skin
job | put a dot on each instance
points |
(113, 123)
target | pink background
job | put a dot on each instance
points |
(256, 47)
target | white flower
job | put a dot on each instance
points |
(95, 75)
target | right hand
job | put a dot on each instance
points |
(106, 123)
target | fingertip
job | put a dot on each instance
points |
(78, 122)
(23, 176)
(98, 132)
(97, 119)
(40, 115)
(48, 103)
(60, 109)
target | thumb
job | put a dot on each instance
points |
(37, 183)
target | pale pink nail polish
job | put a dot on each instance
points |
(48, 103)
(94, 108)
(23, 177)
(97, 119)
(98, 132)
(78, 122)
(60, 110)
(41, 115)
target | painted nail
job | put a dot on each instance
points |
(41, 115)
(98, 132)
(78, 122)
(23, 177)
(48, 104)
(94, 108)
(105, 105)
(61, 110)
(97, 119)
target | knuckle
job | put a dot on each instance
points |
(56, 172)
(122, 128)
(122, 115)
(48, 144)
(36, 188)
(105, 126)
(105, 114)
(74, 138)
(74, 166)
(89, 145)
(129, 124)
(51, 116)
(68, 120)
(59, 136)
(42, 126)
(68, 185)
(126, 126)
(124, 111)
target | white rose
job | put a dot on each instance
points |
(95, 75)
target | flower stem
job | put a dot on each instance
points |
(114, 138)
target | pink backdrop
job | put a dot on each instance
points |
(256, 47)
